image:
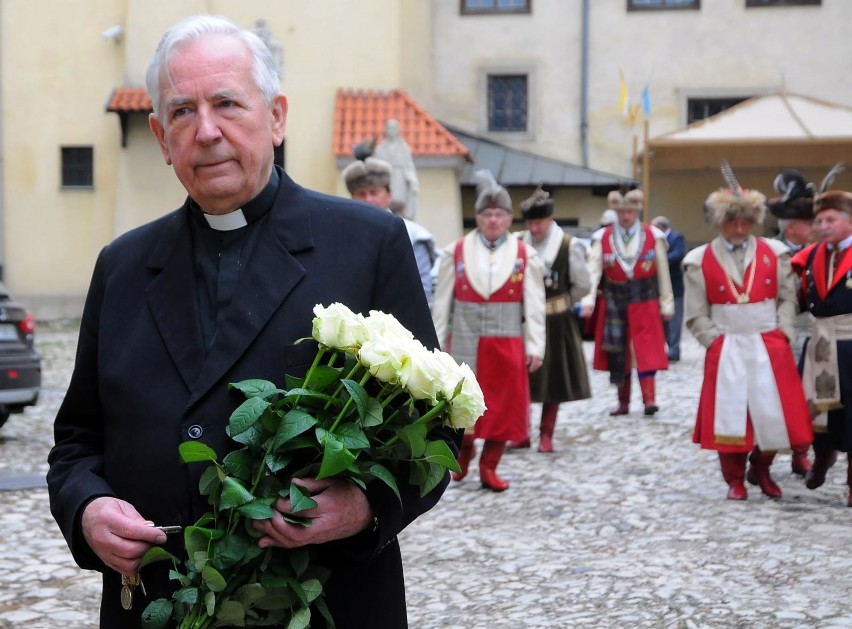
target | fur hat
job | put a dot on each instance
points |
(733, 202)
(634, 200)
(368, 172)
(797, 196)
(833, 200)
(489, 193)
(539, 205)
(614, 199)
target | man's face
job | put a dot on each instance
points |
(736, 231)
(380, 196)
(799, 232)
(627, 217)
(493, 222)
(833, 225)
(539, 227)
(216, 130)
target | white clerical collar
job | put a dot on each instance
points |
(226, 222)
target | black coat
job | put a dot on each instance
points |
(141, 383)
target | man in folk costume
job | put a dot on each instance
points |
(628, 259)
(827, 368)
(794, 209)
(489, 313)
(563, 376)
(741, 306)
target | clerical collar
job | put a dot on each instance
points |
(731, 246)
(249, 213)
(492, 245)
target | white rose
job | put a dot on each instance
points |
(423, 375)
(469, 405)
(386, 357)
(386, 326)
(338, 327)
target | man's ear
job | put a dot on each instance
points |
(159, 133)
(278, 109)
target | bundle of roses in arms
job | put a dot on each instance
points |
(366, 407)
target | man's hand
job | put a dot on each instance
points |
(586, 310)
(118, 534)
(342, 511)
(668, 317)
(533, 363)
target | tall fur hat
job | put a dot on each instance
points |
(797, 196)
(634, 200)
(614, 200)
(733, 202)
(370, 171)
(539, 205)
(489, 193)
(832, 199)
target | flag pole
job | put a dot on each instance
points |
(646, 174)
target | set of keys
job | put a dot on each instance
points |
(130, 582)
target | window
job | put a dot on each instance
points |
(78, 167)
(507, 102)
(701, 108)
(656, 5)
(781, 3)
(495, 6)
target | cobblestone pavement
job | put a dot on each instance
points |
(624, 526)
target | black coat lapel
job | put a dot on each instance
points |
(270, 275)
(171, 298)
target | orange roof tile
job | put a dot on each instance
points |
(361, 114)
(129, 99)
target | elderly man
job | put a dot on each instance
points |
(489, 313)
(216, 292)
(628, 259)
(368, 180)
(563, 376)
(827, 372)
(740, 305)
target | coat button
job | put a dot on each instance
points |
(195, 431)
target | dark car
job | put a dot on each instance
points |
(20, 364)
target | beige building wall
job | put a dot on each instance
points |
(722, 50)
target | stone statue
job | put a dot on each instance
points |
(404, 184)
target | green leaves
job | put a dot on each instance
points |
(334, 422)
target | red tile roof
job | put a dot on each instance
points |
(129, 99)
(360, 114)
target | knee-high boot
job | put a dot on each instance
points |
(623, 399)
(492, 451)
(466, 453)
(733, 471)
(800, 463)
(758, 473)
(824, 457)
(648, 387)
(548, 423)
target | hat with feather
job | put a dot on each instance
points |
(489, 193)
(633, 200)
(832, 199)
(366, 171)
(796, 200)
(614, 199)
(539, 205)
(734, 201)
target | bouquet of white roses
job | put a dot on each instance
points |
(366, 407)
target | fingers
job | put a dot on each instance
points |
(117, 534)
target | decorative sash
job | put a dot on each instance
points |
(820, 376)
(745, 381)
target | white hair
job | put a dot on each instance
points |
(264, 68)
